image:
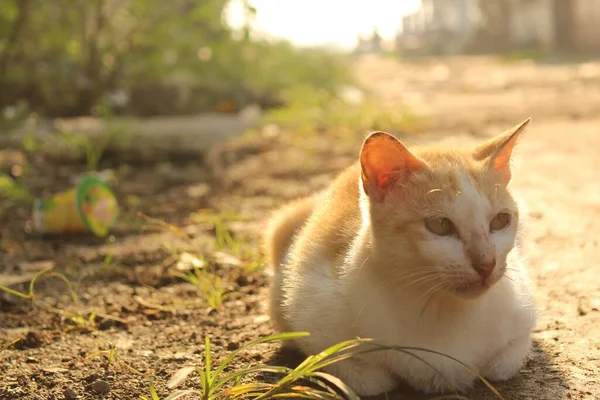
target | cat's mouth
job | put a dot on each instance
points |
(474, 288)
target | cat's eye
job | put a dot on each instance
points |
(440, 226)
(500, 221)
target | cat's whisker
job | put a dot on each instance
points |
(362, 265)
(438, 289)
(429, 295)
(427, 292)
(417, 274)
(424, 279)
(413, 278)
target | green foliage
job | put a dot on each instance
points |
(532, 53)
(65, 57)
(209, 285)
(112, 356)
(14, 191)
(311, 112)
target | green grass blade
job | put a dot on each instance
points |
(206, 389)
(34, 279)
(352, 348)
(315, 362)
(466, 366)
(180, 393)
(338, 383)
(153, 392)
(67, 282)
(127, 366)
(376, 347)
(266, 339)
(15, 292)
(207, 364)
(6, 346)
(249, 371)
(275, 388)
(97, 353)
(244, 389)
(284, 386)
(305, 392)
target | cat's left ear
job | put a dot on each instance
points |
(385, 161)
(498, 150)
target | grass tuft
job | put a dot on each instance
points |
(209, 285)
(305, 381)
(113, 358)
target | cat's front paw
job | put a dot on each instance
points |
(365, 379)
(508, 361)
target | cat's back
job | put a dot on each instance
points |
(334, 222)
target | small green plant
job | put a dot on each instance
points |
(209, 285)
(253, 266)
(92, 149)
(75, 319)
(46, 273)
(80, 322)
(14, 190)
(218, 384)
(165, 226)
(219, 221)
(153, 394)
(31, 143)
(113, 358)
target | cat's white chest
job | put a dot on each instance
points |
(471, 336)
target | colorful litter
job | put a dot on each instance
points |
(90, 206)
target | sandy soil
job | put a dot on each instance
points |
(158, 323)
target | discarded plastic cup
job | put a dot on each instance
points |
(91, 206)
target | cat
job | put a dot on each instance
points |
(410, 248)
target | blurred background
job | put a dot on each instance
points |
(149, 58)
(204, 116)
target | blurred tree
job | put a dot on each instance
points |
(13, 18)
(64, 57)
(495, 24)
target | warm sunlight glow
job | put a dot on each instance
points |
(326, 22)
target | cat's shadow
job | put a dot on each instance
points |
(538, 379)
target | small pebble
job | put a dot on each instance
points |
(91, 378)
(232, 346)
(101, 387)
(69, 394)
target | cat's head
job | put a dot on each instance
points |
(441, 218)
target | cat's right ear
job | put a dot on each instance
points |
(384, 161)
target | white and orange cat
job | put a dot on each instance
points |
(410, 248)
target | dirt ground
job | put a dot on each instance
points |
(157, 323)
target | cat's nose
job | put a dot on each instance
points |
(485, 268)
